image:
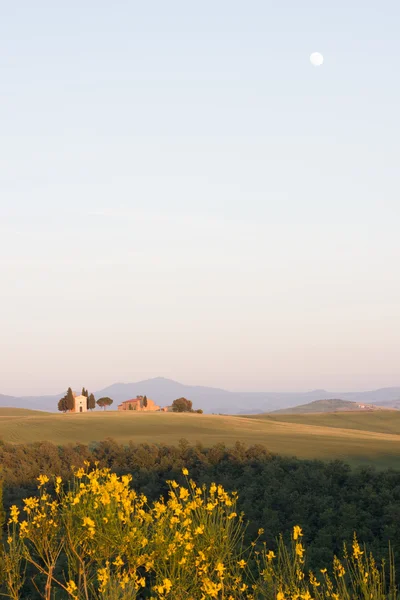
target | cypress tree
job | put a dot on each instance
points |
(145, 401)
(91, 402)
(70, 400)
(62, 404)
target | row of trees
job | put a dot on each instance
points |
(67, 402)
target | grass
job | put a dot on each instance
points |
(10, 411)
(305, 436)
(381, 421)
(320, 406)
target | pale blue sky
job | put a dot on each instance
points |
(183, 195)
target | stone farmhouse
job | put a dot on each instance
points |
(137, 404)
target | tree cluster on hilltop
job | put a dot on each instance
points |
(183, 405)
(67, 402)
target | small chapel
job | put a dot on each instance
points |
(80, 404)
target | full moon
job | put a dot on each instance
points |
(316, 59)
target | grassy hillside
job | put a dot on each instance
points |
(321, 406)
(10, 411)
(289, 438)
(384, 421)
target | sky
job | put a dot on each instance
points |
(182, 194)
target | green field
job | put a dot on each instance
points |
(380, 421)
(350, 437)
(9, 411)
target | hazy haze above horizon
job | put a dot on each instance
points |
(183, 195)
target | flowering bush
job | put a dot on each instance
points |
(97, 538)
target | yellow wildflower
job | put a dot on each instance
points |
(14, 513)
(357, 552)
(30, 504)
(165, 588)
(313, 580)
(189, 546)
(167, 585)
(72, 589)
(199, 530)
(185, 471)
(183, 493)
(339, 568)
(211, 588)
(297, 532)
(300, 574)
(102, 576)
(23, 528)
(42, 479)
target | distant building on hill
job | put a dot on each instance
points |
(80, 404)
(138, 404)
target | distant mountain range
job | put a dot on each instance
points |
(212, 400)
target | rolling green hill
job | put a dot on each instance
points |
(381, 421)
(324, 406)
(11, 411)
(300, 439)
